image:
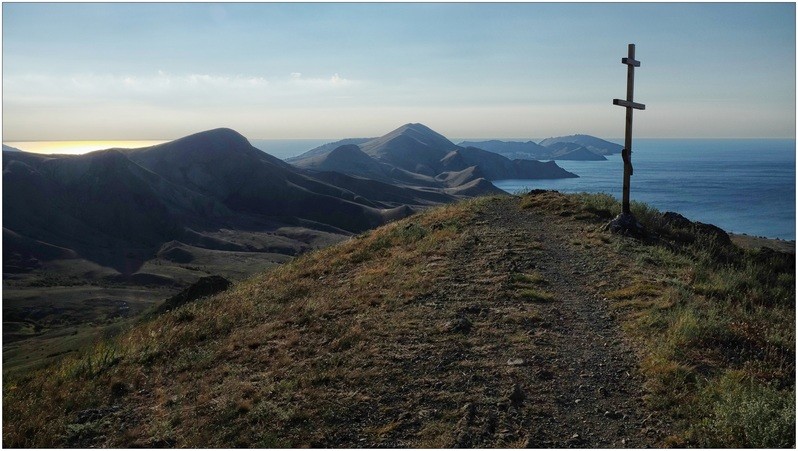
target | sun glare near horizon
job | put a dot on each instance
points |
(78, 147)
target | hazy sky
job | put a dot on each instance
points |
(160, 71)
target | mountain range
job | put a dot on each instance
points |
(572, 147)
(119, 207)
(213, 191)
(415, 155)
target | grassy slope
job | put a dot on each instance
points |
(358, 344)
(715, 327)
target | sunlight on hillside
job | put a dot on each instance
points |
(77, 147)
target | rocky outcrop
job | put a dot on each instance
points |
(205, 286)
(713, 232)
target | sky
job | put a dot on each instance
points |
(138, 71)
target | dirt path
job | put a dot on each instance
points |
(537, 372)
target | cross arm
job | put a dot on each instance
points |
(630, 62)
(628, 104)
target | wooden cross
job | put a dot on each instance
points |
(630, 105)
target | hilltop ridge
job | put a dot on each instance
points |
(496, 322)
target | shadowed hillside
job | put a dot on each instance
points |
(326, 148)
(496, 322)
(117, 207)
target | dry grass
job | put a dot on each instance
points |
(716, 332)
(536, 295)
(310, 326)
(275, 361)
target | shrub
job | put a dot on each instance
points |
(744, 414)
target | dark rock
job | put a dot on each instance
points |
(460, 325)
(675, 220)
(714, 231)
(545, 375)
(205, 286)
(119, 388)
(516, 395)
(475, 309)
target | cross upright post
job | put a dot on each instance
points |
(630, 105)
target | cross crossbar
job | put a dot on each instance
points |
(635, 105)
(630, 62)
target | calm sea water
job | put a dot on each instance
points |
(740, 185)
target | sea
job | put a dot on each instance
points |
(741, 185)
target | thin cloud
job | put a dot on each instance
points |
(334, 81)
(163, 87)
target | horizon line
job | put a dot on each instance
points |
(332, 139)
